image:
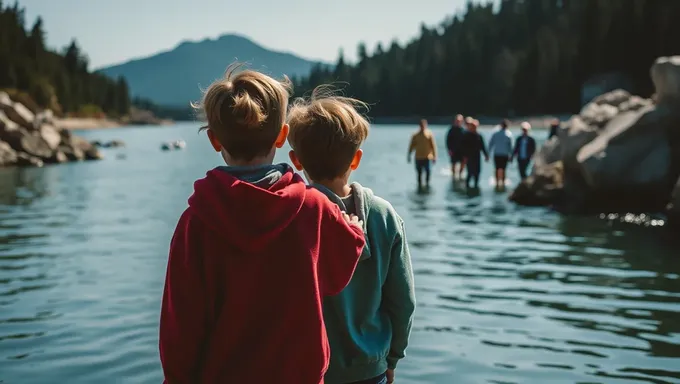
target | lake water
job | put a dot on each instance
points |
(506, 294)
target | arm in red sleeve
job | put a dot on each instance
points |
(182, 325)
(339, 251)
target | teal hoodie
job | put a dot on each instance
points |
(369, 322)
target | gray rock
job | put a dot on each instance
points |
(614, 98)
(71, 153)
(26, 160)
(545, 186)
(57, 158)
(8, 156)
(51, 135)
(90, 151)
(635, 103)
(18, 113)
(598, 114)
(6, 123)
(28, 142)
(666, 77)
(573, 137)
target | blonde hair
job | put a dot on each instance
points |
(326, 131)
(525, 125)
(245, 111)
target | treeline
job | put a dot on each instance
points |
(163, 111)
(60, 81)
(525, 57)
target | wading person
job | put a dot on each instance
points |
(425, 148)
(525, 146)
(500, 146)
(473, 147)
(453, 144)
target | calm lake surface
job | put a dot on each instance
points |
(506, 294)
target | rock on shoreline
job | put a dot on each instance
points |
(620, 154)
(33, 140)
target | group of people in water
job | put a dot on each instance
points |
(466, 146)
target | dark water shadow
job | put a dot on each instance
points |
(22, 186)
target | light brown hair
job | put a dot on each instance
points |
(245, 111)
(326, 131)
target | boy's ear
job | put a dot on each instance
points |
(283, 135)
(295, 161)
(356, 160)
(213, 140)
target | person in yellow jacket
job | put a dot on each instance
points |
(425, 148)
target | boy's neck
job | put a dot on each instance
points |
(338, 186)
(256, 162)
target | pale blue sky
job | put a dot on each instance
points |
(112, 31)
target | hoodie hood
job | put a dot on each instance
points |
(362, 198)
(249, 206)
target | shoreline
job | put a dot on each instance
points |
(87, 123)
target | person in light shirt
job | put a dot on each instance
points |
(500, 146)
(425, 148)
(525, 147)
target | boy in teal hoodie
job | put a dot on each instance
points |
(369, 322)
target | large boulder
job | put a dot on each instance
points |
(8, 156)
(621, 153)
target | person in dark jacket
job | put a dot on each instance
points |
(453, 144)
(525, 147)
(554, 127)
(473, 146)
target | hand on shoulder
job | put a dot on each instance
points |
(353, 220)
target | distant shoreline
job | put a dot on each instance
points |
(86, 123)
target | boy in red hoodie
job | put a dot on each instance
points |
(249, 260)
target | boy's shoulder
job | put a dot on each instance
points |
(380, 207)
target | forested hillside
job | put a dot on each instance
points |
(524, 57)
(60, 81)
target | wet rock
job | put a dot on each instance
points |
(108, 144)
(26, 160)
(57, 158)
(8, 156)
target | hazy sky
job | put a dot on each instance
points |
(112, 31)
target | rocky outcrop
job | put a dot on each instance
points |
(620, 154)
(33, 140)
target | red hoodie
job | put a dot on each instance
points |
(247, 270)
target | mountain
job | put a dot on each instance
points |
(176, 77)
